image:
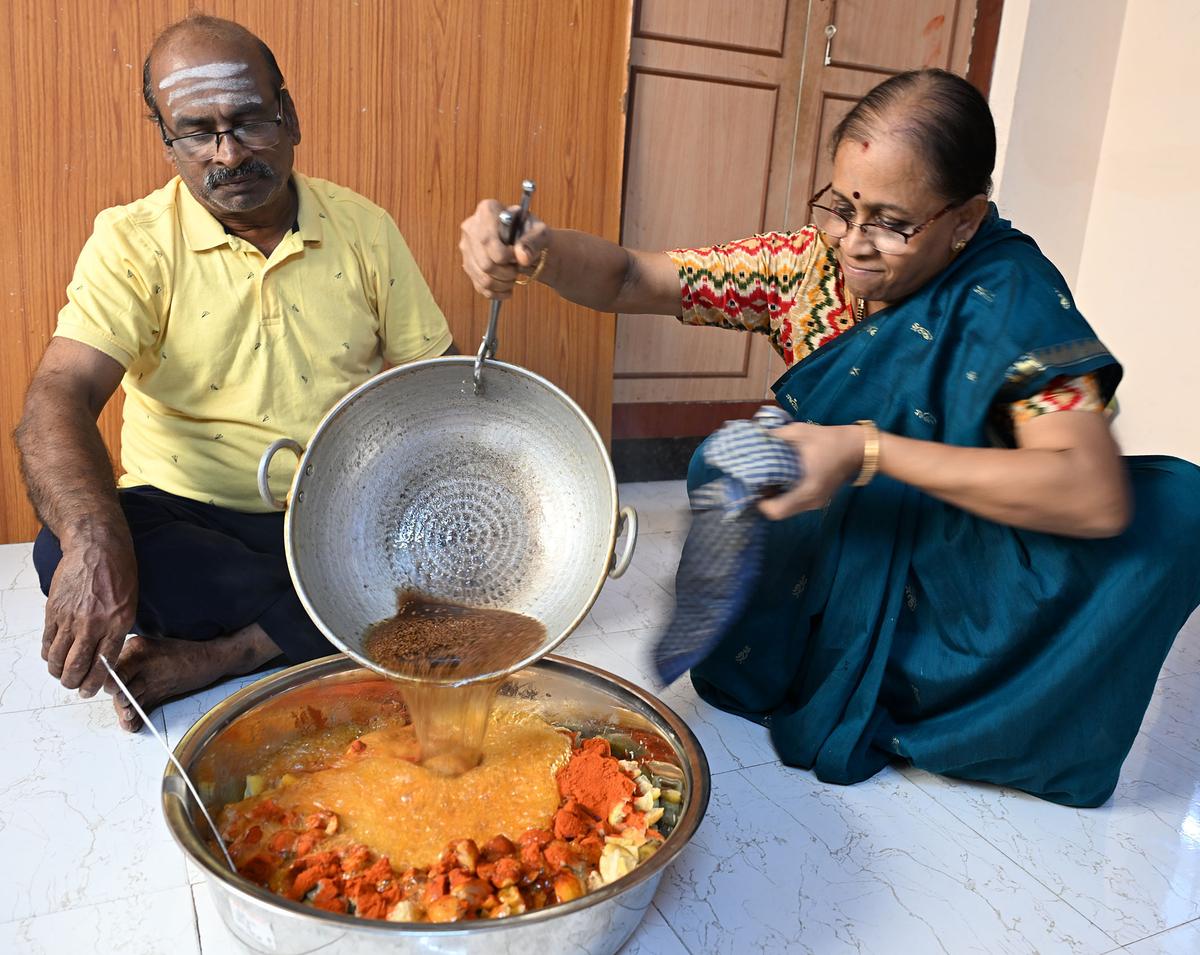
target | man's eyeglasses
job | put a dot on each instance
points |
(200, 147)
(885, 239)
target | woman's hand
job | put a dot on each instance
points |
(491, 265)
(830, 456)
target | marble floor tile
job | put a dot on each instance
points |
(783, 863)
(158, 923)
(195, 875)
(1185, 652)
(25, 683)
(653, 937)
(632, 602)
(1131, 866)
(657, 556)
(22, 610)
(16, 567)
(597, 649)
(79, 806)
(661, 505)
(1184, 940)
(1173, 717)
(587, 627)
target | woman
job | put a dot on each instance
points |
(968, 576)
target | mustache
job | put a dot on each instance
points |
(251, 167)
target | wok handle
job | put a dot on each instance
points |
(264, 468)
(627, 521)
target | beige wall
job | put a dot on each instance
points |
(1097, 125)
(1054, 68)
(1135, 280)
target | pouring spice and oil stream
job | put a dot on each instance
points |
(466, 808)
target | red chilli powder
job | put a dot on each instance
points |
(594, 779)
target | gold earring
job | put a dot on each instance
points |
(959, 246)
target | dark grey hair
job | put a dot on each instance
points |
(946, 119)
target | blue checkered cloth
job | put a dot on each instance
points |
(725, 547)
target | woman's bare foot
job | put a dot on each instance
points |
(155, 670)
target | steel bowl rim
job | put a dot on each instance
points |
(296, 490)
(183, 830)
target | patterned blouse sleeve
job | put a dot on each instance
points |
(750, 284)
(1064, 393)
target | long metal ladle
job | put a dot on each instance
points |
(171, 756)
(510, 228)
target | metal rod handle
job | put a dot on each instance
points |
(174, 760)
(510, 228)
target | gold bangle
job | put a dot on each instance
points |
(870, 465)
(537, 269)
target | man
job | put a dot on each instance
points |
(235, 305)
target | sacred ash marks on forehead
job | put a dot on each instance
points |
(221, 84)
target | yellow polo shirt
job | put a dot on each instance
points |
(224, 350)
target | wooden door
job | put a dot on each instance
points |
(854, 45)
(732, 104)
(424, 106)
(713, 90)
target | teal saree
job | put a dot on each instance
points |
(892, 626)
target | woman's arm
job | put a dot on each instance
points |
(1065, 477)
(582, 268)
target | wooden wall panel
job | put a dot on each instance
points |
(424, 106)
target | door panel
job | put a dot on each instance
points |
(888, 37)
(754, 25)
(662, 211)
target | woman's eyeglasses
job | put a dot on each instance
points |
(885, 239)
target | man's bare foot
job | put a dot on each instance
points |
(155, 670)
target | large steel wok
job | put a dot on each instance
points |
(235, 737)
(501, 498)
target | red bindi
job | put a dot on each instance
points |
(866, 145)
(857, 196)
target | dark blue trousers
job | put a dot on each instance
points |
(205, 571)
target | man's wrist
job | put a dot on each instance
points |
(93, 528)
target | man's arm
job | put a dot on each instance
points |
(93, 596)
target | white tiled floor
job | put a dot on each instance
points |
(904, 863)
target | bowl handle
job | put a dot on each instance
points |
(264, 466)
(627, 521)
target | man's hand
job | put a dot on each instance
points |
(830, 455)
(91, 606)
(492, 266)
